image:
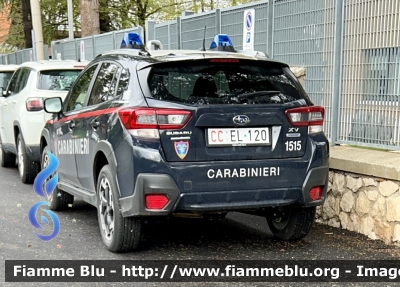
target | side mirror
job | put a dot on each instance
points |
(53, 105)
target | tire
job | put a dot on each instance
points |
(58, 199)
(27, 168)
(295, 223)
(7, 159)
(119, 233)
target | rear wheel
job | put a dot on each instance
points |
(291, 223)
(27, 169)
(118, 233)
(7, 159)
(58, 199)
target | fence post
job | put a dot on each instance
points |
(218, 21)
(169, 35)
(61, 51)
(270, 35)
(94, 47)
(150, 33)
(46, 52)
(337, 69)
(178, 31)
(34, 45)
(140, 32)
(114, 40)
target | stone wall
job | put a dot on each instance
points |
(300, 73)
(363, 204)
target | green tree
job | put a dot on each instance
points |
(112, 15)
(16, 33)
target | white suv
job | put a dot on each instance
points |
(22, 117)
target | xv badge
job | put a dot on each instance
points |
(181, 148)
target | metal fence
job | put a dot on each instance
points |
(350, 48)
(21, 56)
(88, 48)
(370, 90)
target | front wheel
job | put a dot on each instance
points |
(58, 199)
(292, 223)
(118, 233)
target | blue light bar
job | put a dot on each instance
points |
(221, 42)
(132, 40)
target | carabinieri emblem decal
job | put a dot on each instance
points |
(181, 148)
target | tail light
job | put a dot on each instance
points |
(311, 117)
(34, 104)
(316, 193)
(145, 122)
(156, 201)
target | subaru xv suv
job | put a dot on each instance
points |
(146, 134)
(22, 117)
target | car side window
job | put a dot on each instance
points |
(123, 84)
(104, 86)
(12, 85)
(22, 79)
(79, 91)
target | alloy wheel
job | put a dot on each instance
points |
(46, 161)
(106, 208)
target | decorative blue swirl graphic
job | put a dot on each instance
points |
(50, 185)
(44, 174)
(35, 223)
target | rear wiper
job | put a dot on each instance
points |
(257, 94)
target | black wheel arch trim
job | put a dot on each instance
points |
(106, 148)
(46, 135)
(16, 123)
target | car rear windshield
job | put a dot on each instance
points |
(222, 83)
(59, 80)
(5, 78)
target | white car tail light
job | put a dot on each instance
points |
(34, 104)
(311, 117)
(146, 122)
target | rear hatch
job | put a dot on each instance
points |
(52, 83)
(229, 109)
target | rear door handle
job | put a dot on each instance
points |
(14, 102)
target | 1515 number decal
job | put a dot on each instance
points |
(293, 145)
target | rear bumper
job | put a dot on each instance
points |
(220, 201)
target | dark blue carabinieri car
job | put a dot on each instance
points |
(146, 134)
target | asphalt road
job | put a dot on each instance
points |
(236, 237)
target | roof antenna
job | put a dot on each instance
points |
(203, 48)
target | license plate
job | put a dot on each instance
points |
(238, 137)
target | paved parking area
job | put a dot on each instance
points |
(238, 236)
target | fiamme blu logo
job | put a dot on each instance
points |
(44, 184)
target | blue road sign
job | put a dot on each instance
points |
(249, 21)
